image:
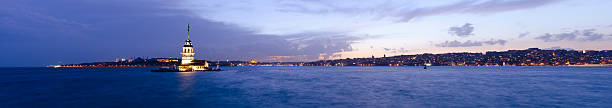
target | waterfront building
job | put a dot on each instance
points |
(188, 62)
(187, 54)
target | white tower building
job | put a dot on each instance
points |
(187, 53)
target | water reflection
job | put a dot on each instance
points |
(381, 86)
(186, 80)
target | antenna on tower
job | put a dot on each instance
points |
(188, 27)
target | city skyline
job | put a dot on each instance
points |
(44, 33)
(524, 57)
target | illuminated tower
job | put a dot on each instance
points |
(187, 53)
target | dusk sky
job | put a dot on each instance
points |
(50, 32)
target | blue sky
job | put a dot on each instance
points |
(39, 33)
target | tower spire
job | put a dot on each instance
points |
(188, 27)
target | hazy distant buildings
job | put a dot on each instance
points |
(528, 57)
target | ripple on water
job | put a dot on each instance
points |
(309, 87)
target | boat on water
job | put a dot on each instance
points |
(427, 64)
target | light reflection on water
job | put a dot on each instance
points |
(309, 87)
(186, 80)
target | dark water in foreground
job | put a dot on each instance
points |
(309, 87)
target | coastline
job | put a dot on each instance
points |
(587, 65)
(592, 65)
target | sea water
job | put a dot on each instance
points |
(377, 86)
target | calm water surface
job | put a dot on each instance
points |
(309, 87)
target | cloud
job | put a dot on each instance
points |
(320, 45)
(557, 37)
(462, 31)
(473, 6)
(470, 43)
(576, 35)
(396, 50)
(523, 34)
(145, 28)
(557, 48)
(590, 35)
(219, 41)
(406, 12)
(300, 47)
(17, 16)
